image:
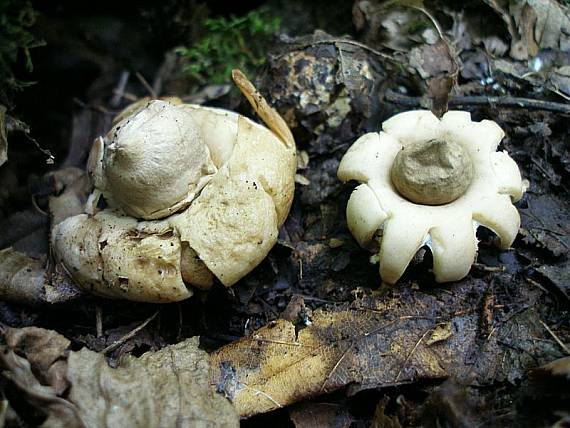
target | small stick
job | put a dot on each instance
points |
(336, 42)
(265, 394)
(129, 335)
(411, 353)
(486, 268)
(120, 89)
(99, 320)
(146, 85)
(562, 345)
(527, 103)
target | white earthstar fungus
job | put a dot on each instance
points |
(430, 181)
(192, 193)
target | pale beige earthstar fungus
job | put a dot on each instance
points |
(430, 181)
(192, 193)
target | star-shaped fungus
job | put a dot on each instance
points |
(430, 181)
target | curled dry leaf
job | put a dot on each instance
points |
(172, 389)
(45, 350)
(169, 387)
(378, 342)
(213, 186)
(18, 372)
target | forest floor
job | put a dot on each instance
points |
(309, 338)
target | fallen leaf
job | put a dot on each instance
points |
(559, 275)
(377, 342)
(58, 412)
(392, 24)
(166, 388)
(41, 347)
(550, 22)
(21, 278)
(436, 64)
(546, 222)
(534, 25)
(169, 387)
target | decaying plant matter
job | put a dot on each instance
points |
(192, 193)
(431, 182)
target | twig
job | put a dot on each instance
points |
(562, 345)
(265, 394)
(433, 21)
(344, 354)
(120, 89)
(127, 96)
(99, 320)
(146, 85)
(13, 125)
(129, 335)
(411, 353)
(352, 43)
(278, 342)
(506, 101)
(316, 299)
(180, 321)
(486, 268)
(97, 108)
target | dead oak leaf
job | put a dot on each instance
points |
(169, 387)
(378, 342)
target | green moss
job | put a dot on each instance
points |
(16, 18)
(235, 42)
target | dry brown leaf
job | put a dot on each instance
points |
(546, 21)
(42, 348)
(395, 25)
(436, 64)
(18, 371)
(376, 343)
(166, 388)
(534, 25)
(546, 223)
(25, 276)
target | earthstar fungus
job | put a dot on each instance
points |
(430, 181)
(192, 193)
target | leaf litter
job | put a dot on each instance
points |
(336, 339)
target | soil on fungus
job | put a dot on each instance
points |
(309, 338)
